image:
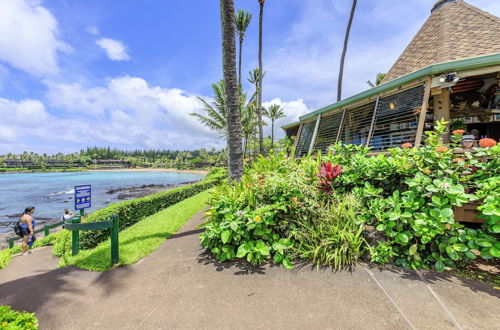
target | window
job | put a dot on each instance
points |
(397, 119)
(305, 138)
(357, 124)
(328, 131)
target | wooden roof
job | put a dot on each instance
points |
(455, 30)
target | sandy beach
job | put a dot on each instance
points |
(170, 170)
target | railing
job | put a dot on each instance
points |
(75, 226)
(75, 235)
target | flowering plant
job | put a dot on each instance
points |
(487, 143)
(407, 145)
(327, 174)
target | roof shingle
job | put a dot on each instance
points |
(455, 30)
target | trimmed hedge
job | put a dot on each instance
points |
(134, 210)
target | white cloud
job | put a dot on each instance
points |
(29, 37)
(130, 112)
(292, 109)
(114, 49)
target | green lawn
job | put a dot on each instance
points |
(142, 238)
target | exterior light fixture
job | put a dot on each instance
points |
(449, 78)
(392, 106)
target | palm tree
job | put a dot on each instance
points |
(273, 112)
(248, 123)
(235, 161)
(344, 51)
(378, 80)
(259, 101)
(215, 119)
(242, 19)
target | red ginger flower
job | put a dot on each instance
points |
(487, 142)
(407, 145)
(442, 149)
(458, 131)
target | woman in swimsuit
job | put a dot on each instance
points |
(27, 224)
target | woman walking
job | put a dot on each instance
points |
(27, 228)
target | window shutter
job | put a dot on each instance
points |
(305, 138)
(328, 131)
(397, 119)
(357, 124)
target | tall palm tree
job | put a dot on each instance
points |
(235, 159)
(215, 117)
(273, 112)
(344, 51)
(259, 102)
(242, 19)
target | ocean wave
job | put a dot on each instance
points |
(63, 192)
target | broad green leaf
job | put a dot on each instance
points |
(452, 253)
(448, 213)
(413, 249)
(470, 255)
(278, 258)
(402, 239)
(460, 247)
(225, 236)
(287, 263)
(495, 229)
(242, 251)
(483, 242)
(381, 227)
(495, 252)
(439, 266)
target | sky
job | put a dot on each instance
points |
(127, 74)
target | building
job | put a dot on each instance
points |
(450, 70)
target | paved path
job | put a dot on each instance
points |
(178, 287)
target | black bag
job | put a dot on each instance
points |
(18, 229)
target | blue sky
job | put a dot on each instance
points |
(127, 73)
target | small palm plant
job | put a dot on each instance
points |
(242, 19)
(273, 112)
(215, 117)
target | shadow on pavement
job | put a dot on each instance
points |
(240, 267)
(432, 277)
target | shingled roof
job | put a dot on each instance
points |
(455, 30)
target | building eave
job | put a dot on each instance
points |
(465, 64)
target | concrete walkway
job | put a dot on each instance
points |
(178, 286)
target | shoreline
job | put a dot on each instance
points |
(169, 170)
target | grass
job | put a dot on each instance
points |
(142, 238)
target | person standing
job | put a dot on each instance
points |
(67, 215)
(27, 229)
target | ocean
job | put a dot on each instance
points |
(51, 193)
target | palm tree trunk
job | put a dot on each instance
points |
(259, 102)
(235, 159)
(239, 62)
(245, 147)
(272, 133)
(344, 51)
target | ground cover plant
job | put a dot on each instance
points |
(14, 320)
(330, 208)
(140, 239)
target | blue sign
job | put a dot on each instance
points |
(83, 197)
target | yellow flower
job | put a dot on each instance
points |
(257, 218)
(427, 171)
(4, 324)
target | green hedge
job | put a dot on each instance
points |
(134, 210)
(14, 320)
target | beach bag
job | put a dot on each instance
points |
(18, 229)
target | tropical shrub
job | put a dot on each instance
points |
(14, 320)
(278, 212)
(408, 196)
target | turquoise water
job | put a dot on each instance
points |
(51, 193)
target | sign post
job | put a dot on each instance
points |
(83, 200)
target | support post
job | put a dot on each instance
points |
(423, 112)
(442, 110)
(75, 236)
(372, 124)
(45, 230)
(114, 239)
(296, 142)
(341, 126)
(11, 243)
(315, 134)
